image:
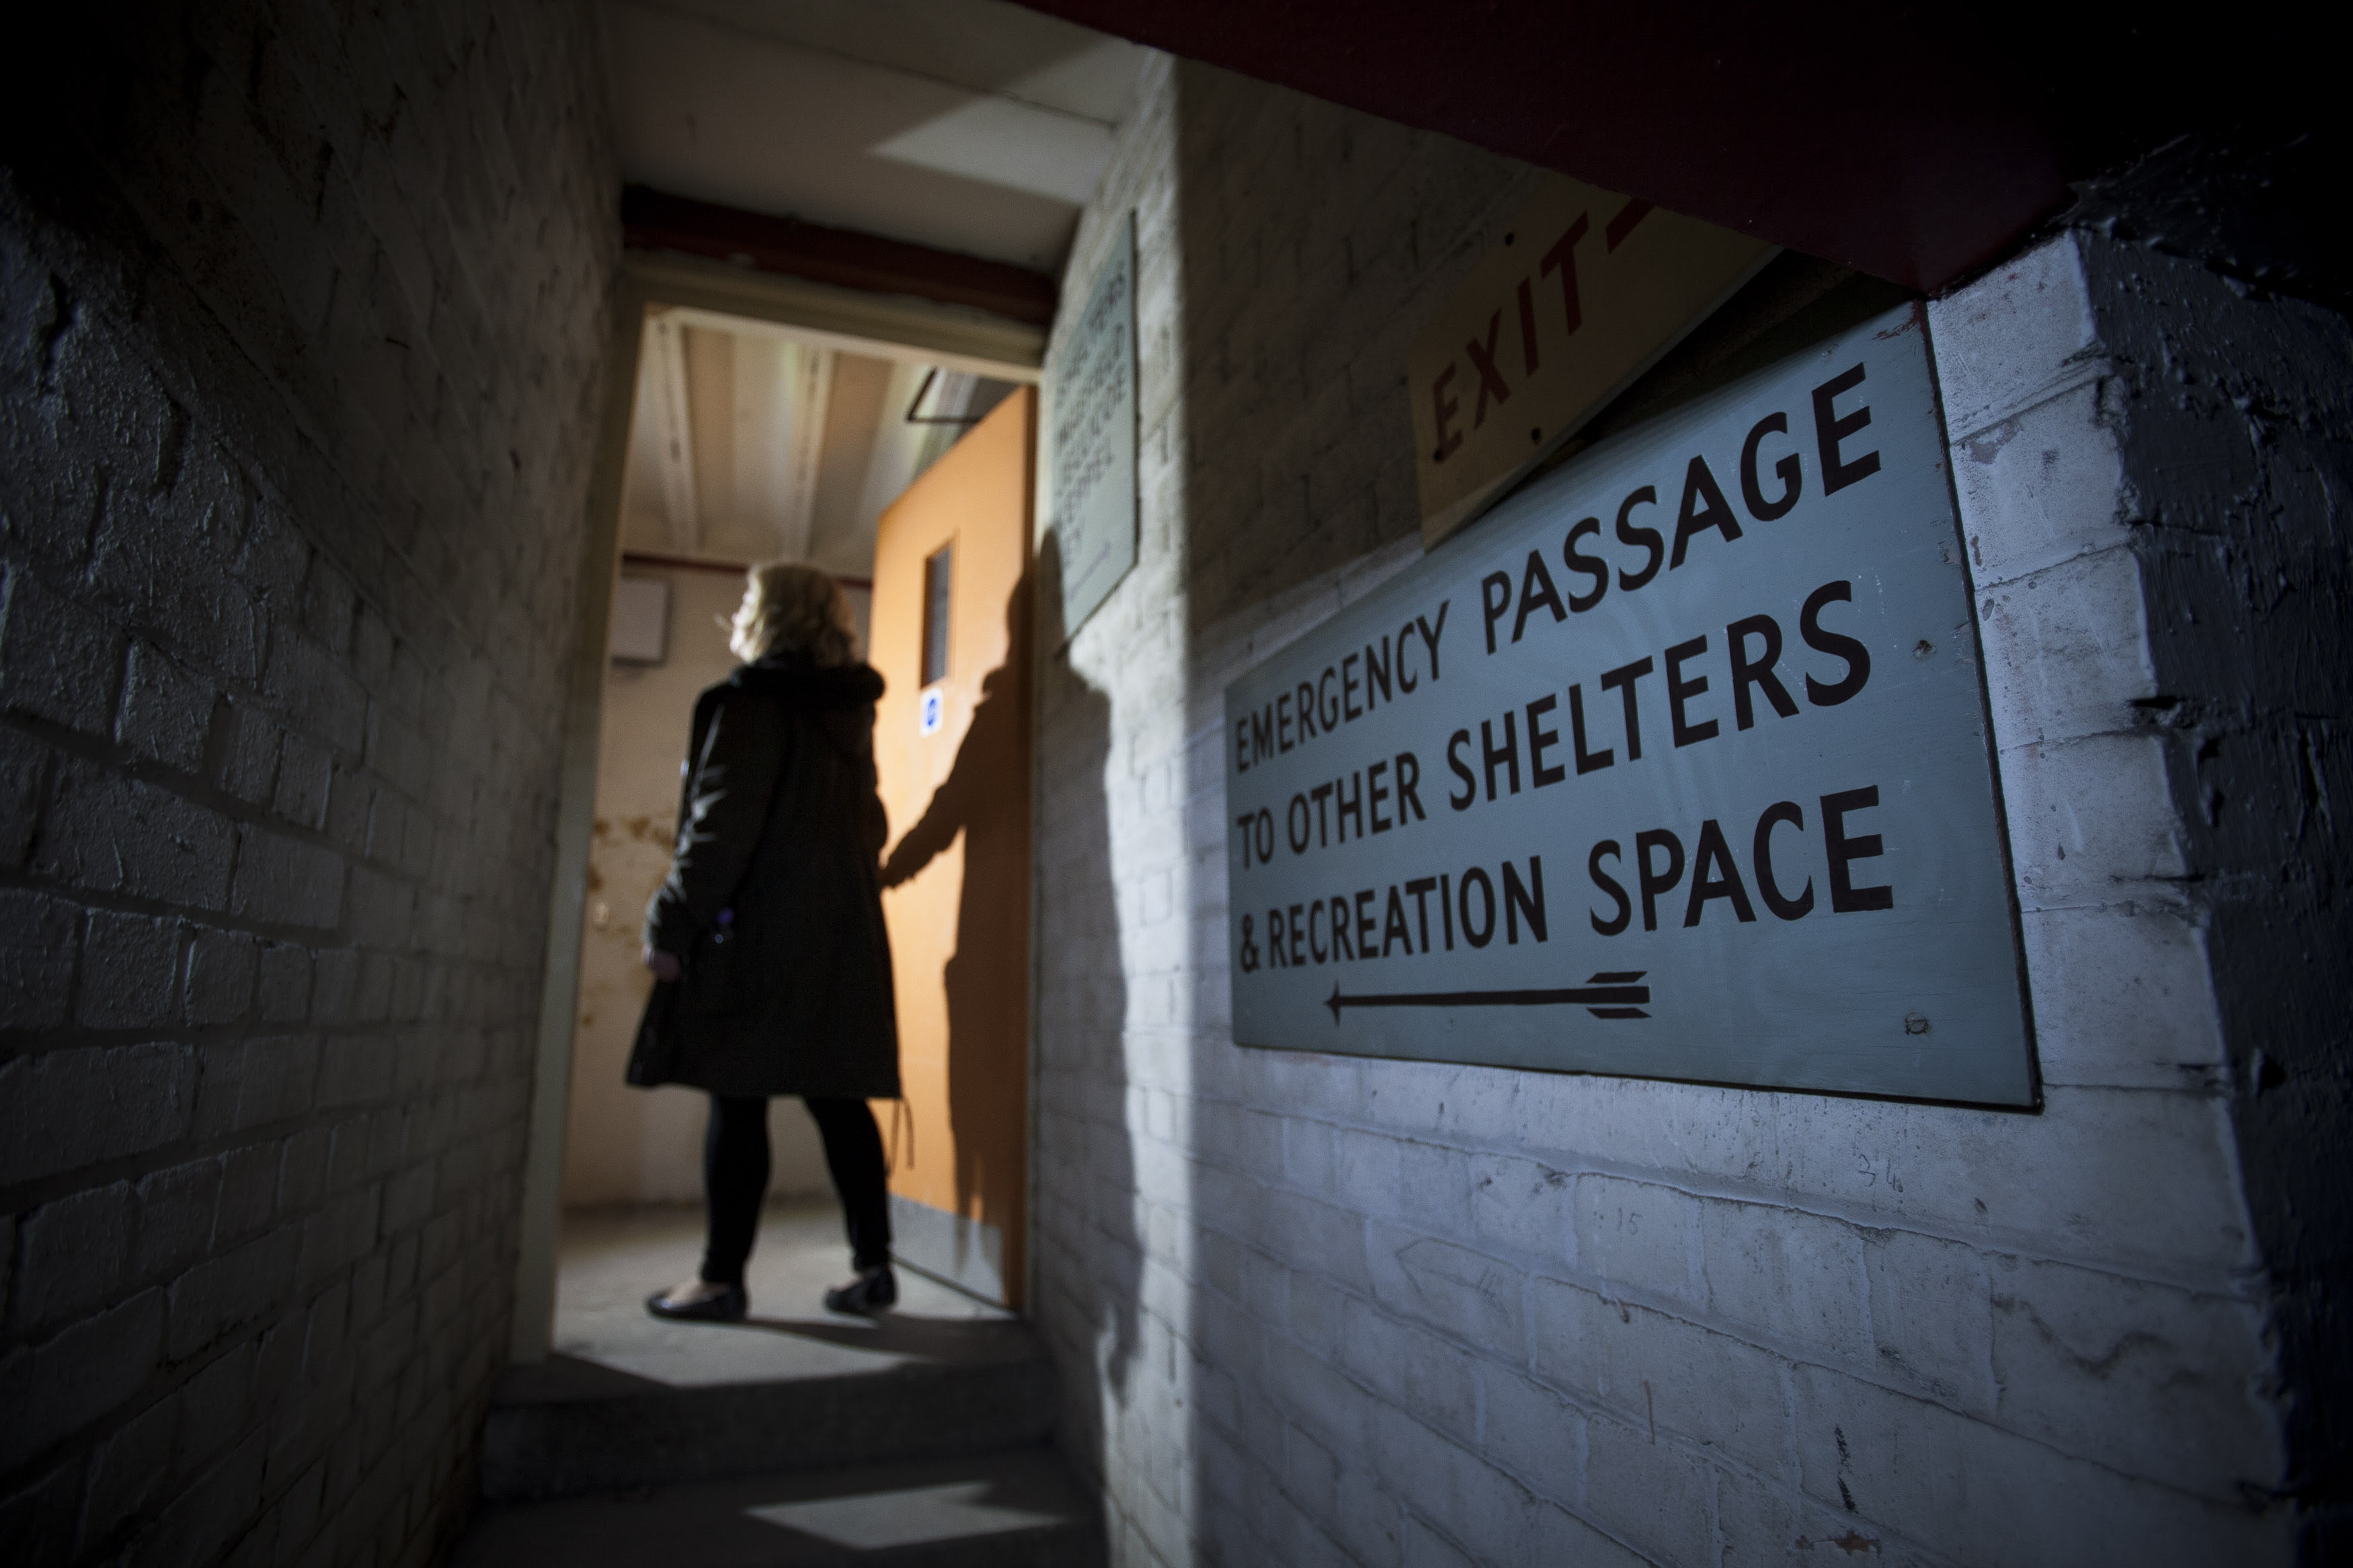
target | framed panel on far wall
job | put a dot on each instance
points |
(1091, 385)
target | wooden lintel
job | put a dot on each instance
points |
(656, 220)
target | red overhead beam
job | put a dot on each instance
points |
(1913, 145)
(655, 220)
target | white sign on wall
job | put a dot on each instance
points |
(1093, 387)
(1676, 766)
(640, 622)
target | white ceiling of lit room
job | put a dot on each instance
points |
(751, 443)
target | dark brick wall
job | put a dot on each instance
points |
(301, 313)
(2235, 408)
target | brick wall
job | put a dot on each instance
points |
(2233, 409)
(302, 310)
(1315, 1310)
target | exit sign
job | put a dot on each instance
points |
(1584, 291)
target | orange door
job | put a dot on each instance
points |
(951, 742)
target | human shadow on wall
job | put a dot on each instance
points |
(987, 979)
(1298, 449)
(1086, 1153)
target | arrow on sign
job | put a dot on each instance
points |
(1610, 995)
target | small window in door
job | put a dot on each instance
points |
(936, 577)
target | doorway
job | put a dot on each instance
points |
(740, 433)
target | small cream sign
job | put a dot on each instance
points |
(1584, 291)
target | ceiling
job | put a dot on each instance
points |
(754, 444)
(968, 125)
(1913, 143)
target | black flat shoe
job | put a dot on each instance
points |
(727, 1307)
(873, 1290)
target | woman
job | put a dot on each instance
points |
(766, 942)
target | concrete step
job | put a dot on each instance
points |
(1020, 1508)
(910, 1389)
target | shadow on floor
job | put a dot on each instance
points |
(896, 1334)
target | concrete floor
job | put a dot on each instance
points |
(610, 1260)
(794, 1438)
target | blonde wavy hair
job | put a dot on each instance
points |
(791, 609)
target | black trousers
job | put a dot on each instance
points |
(735, 1179)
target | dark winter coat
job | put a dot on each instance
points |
(772, 904)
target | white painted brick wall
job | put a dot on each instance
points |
(301, 312)
(1313, 1309)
